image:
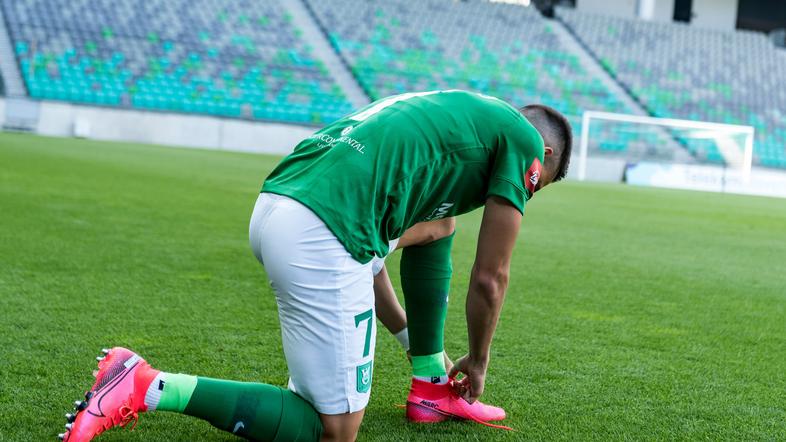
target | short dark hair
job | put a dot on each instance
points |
(555, 130)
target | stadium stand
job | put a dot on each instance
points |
(502, 50)
(233, 58)
(247, 59)
(681, 71)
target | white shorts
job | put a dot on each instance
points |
(325, 304)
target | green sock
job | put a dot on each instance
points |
(176, 391)
(254, 411)
(425, 281)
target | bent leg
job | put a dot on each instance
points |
(388, 309)
(254, 411)
(326, 309)
(425, 279)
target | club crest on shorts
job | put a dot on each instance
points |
(532, 176)
(364, 373)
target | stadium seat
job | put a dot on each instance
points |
(682, 71)
(502, 50)
(232, 58)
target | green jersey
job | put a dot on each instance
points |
(410, 158)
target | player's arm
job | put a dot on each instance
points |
(389, 311)
(487, 286)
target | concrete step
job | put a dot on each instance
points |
(593, 68)
(9, 68)
(312, 33)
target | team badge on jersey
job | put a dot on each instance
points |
(532, 176)
(364, 377)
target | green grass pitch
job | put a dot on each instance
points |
(632, 313)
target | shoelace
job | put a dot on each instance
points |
(125, 414)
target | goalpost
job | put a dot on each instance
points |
(665, 142)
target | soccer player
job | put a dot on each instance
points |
(324, 216)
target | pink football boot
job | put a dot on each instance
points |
(429, 402)
(114, 400)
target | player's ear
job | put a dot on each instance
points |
(548, 151)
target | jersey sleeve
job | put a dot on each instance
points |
(517, 164)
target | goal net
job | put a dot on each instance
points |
(664, 151)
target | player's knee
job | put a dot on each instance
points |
(341, 428)
(338, 436)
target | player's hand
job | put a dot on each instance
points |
(471, 385)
